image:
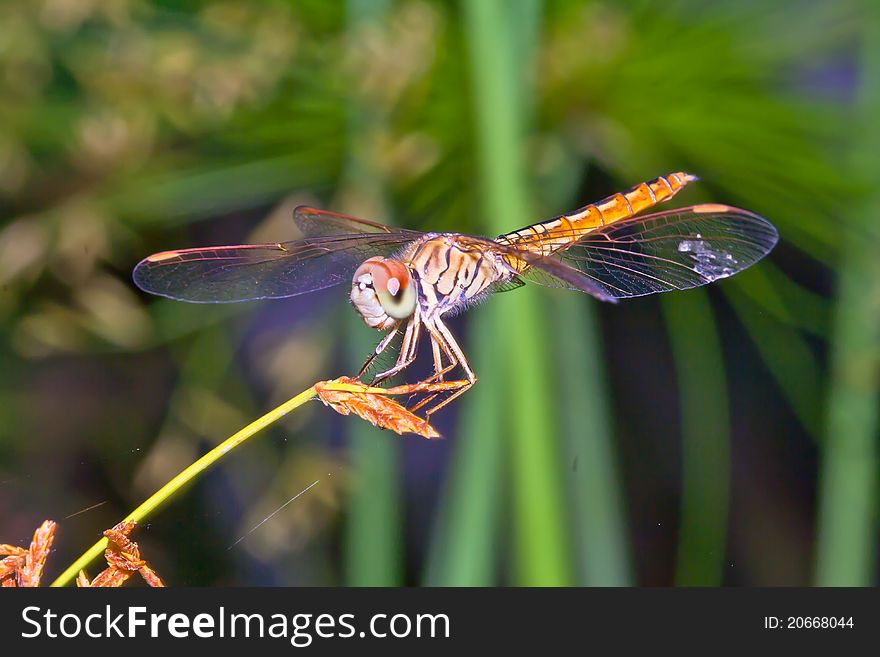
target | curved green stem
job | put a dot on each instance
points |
(186, 475)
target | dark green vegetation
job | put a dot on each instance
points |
(718, 436)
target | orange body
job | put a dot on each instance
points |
(556, 234)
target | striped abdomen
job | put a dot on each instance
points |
(555, 235)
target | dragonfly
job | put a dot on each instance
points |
(407, 282)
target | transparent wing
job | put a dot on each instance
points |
(525, 265)
(262, 271)
(552, 272)
(322, 223)
(673, 250)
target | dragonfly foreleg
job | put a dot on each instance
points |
(408, 350)
(378, 350)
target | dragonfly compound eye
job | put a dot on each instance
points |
(395, 288)
(382, 291)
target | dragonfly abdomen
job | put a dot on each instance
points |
(556, 234)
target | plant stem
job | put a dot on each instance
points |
(463, 550)
(705, 429)
(373, 529)
(161, 495)
(498, 69)
(602, 555)
(846, 552)
(850, 468)
(598, 518)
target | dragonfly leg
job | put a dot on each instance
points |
(443, 336)
(449, 341)
(378, 350)
(438, 347)
(408, 349)
(438, 360)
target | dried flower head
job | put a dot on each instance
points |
(24, 567)
(346, 395)
(123, 560)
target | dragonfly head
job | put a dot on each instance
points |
(383, 292)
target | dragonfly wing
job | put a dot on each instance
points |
(529, 266)
(321, 223)
(673, 250)
(507, 286)
(262, 271)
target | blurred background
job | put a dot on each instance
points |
(721, 436)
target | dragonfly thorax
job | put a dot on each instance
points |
(383, 292)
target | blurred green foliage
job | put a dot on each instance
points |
(658, 442)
